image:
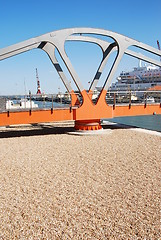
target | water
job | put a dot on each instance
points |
(151, 122)
(48, 105)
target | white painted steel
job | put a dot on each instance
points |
(56, 40)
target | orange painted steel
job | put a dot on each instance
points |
(87, 116)
(88, 125)
(91, 111)
(35, 116)
(74, 99)
(137, 110)
(94, 112)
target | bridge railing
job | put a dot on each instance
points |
(133, 97)
(46, 101)
(52, 101)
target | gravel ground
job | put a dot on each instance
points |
(59, 186)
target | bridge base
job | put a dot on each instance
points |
(87, 125)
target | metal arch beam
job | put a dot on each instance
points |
(33, 44)
(18, 48)
(120, 39)
(143, 57)
(111, 48)
(106, 47)
(123, 43)
(50, 50)
(38, 42)
(58, 38)
(102, 44)
(64, 34)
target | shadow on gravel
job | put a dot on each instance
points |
(34, 130)
(117, 126)
(43, 129)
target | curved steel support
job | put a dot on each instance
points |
(106, 48)
(48, 42)
(50, 50)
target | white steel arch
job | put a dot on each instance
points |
(56, 40)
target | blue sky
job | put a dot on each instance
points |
(24, 19)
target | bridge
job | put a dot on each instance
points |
(86, 113)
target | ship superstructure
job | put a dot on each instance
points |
(141, 78)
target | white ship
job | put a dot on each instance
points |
(22, 104)
(140, 79)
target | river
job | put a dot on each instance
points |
(151, 122)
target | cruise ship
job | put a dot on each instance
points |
(140, 79)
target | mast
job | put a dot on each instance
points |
(140, 63)
(38, 83)
(158, 47)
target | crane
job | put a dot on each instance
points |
(38, 83)
(158, 47)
